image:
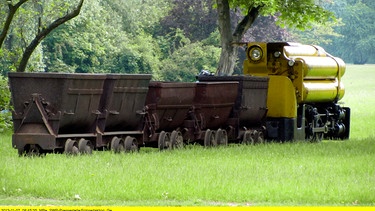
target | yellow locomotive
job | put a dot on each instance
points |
(304, 89)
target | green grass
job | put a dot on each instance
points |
(359, 81)
(328, 173)
(293, 174)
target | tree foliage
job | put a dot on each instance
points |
(44, 29)
(295, 14)
(197, 19)
(101, 42)
(32, 21)
(357, 42)
(186, 62)
(146, 36)
(5, 114)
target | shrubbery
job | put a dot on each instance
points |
(5, 109)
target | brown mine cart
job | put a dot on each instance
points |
(213, 105)
(122, 108)
(250, 110)
(168, 106)
(55, 112)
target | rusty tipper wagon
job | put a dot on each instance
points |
(51, 110)
(179, 113)
(71, 113)
(247, 121)
(122, 106)
(168, 105)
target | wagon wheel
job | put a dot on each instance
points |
(131, 144)
(71, 147)
(221, 137)
(117, 145)
(260, 138)
(248, 138)
(209, 138)
(164, 141)
(155, 120)
(21, 151)
(84, 146)
(177, 141)
(30, 151)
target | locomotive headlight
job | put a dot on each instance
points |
(255, 53)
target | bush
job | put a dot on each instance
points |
(5, 108)
(187, 61)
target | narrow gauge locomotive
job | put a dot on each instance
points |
(288, 92)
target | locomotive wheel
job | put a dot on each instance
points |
(71, 147)
(209, 138)
(177, 141)
(117, 145)
(164, 141)
(248, 138)
(84, 146)
(313, 121)
(308, 131)
(310, 135)
(318, 136)
(221, 137)
(131, 144)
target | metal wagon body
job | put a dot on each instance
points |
(168, 107)
(52, 108)
(122, 108)
(59, 112)
(249, 112)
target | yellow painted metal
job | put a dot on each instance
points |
(303, 50)
(318, 79)
(322, 91)
(298, 74)
(281, 99)
(320, 67)
(257, 68)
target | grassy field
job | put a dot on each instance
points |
(293, 174)
(359, 81)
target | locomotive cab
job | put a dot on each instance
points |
(304, 90)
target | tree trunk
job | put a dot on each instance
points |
(43, 33)
(229, 46)
(227, 60)
(228, 54)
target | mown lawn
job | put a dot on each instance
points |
(330, 173)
